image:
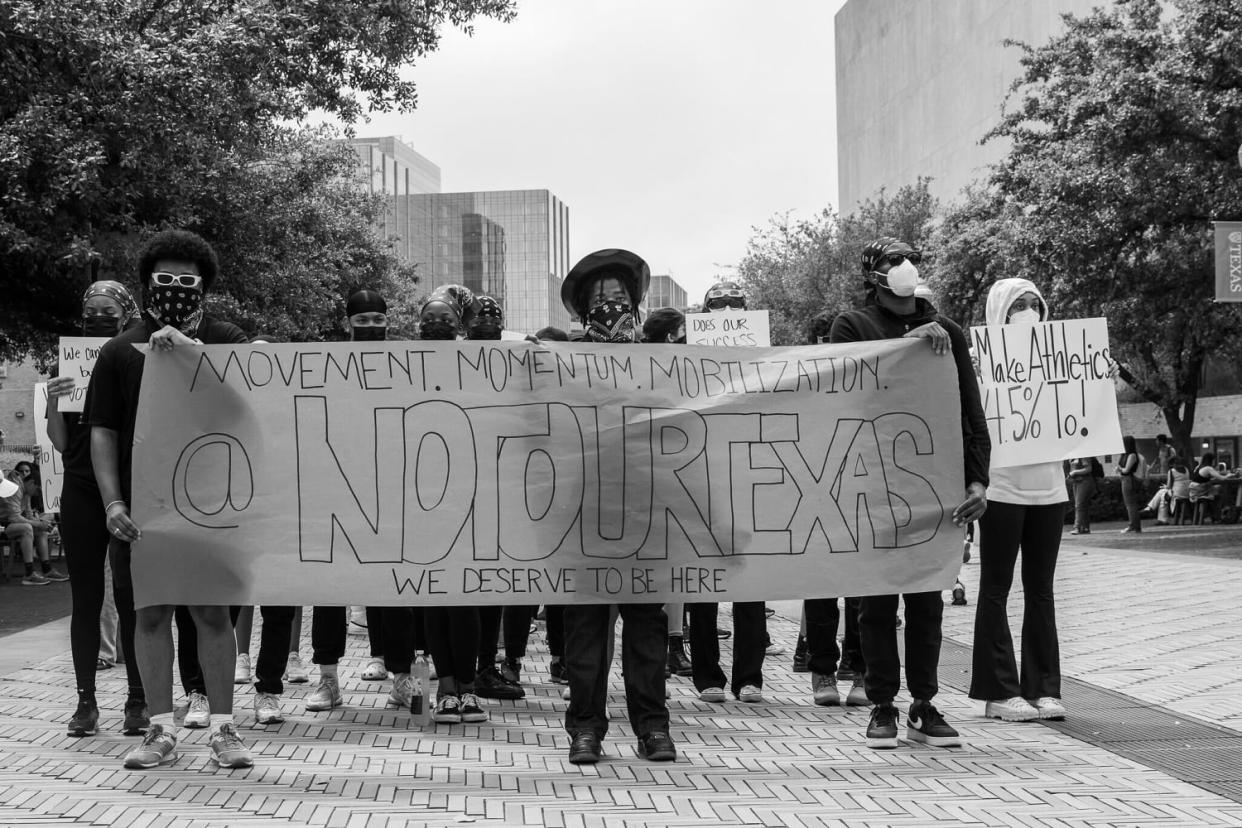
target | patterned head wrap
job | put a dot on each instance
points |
(117, 292)
(878, 249)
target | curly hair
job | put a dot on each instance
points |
(181, 245)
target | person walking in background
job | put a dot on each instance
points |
(1127, 469)
(1026, 512)
(1081, 472)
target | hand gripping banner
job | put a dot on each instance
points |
(515, 473)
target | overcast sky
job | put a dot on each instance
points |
(670, 128)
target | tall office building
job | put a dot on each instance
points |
(388, 167)
(919, 83)
(665, 292)
(512, 244)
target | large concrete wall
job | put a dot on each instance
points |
(919, 83)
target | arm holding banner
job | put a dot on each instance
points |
(976, 444)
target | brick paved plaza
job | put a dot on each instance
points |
(1151, 645)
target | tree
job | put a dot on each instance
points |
(797, 269)
(1124, 132)
(123, 116)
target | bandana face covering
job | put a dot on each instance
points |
(177, 306)
(610, 322)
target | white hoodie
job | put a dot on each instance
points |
(1040, 484)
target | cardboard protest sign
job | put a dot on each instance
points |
(77, 360)
(1047, 393)
(506, 473)
(51, 467)
(729, 327)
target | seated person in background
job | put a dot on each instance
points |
(18, 522)
(1205, 484)
(1178, 483)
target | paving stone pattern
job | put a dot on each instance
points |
(786, 762)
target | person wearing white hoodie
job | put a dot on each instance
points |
(1026, 510)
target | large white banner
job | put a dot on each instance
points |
(51, 467)
(729, 327)
(501, 473)
(77, 360)
(1047, 391)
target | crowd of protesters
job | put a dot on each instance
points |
(477, 653)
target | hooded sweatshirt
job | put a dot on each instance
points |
(1039, 484)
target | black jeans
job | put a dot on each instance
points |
(453, 638)
(644, 652)
(554, 620)
(269, 667)
(516, 623)
(84, 530)
(823, 616)
(395, 628)
(123, 595)
(750, 639)
(877, 624)
(1036, 530)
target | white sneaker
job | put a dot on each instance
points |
(1016, 709)
(267, 709)
(241, 669)
(715, 695)
(374, 671)
(751, 694)
(1049, 708)
(198, 712)
(402, 690)
(295, 670)
(326, 696)
(774, 649)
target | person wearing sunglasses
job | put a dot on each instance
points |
(724, 296)
(891, 276)
(175, 270)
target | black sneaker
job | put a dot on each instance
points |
(489, 684)
(657, 747)
(925, 724)
(85, 721)
(585, 749)
(882, 730)
(556, 672)
(801, 658)
(137, 719)
(511, 670)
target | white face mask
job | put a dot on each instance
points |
(902, 279)
(1024, 317)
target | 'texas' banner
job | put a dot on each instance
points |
(505, 473)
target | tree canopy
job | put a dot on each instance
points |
(123, 116)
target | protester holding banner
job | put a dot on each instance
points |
(891, 275)
(1026, 512)
(107, 309)
(176, 269)
(604, 290)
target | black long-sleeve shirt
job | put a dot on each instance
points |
(877, 322)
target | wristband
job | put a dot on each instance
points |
(113, 503)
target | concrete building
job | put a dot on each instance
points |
(388, 167)
(920, 82)
(666, 292)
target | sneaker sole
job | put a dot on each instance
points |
(319, 707)
(236, 763)
(166, 760)
(751, 699)
(659, 756)
(271, 718)
(196, 725)
(933, 741)
(80, 732)
(1011, 717)
(298, 680)
(240, 681)
(827, 701)
(713, 698)
(584, 759)
(882, 742)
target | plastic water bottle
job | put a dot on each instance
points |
(420, 699)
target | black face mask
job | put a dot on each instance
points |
(108, 326)
(370, 333)
(437, 329)
(485, 331)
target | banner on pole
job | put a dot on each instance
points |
(729, 327)
(509, 473)
(1228, 261)
(77, 360)
(1047, 391)
(51, 467)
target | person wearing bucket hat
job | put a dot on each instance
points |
(604, 290)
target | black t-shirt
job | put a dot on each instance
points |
(77, 453)
(112, 397)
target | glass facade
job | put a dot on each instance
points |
(388, 167)
(512, 244)
(665, 292)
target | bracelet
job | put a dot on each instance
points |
(113, 503)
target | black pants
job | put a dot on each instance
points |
(396, 626)
(1036, 530)
(750, 639)
(516, 623)
(644, 652)
(84, 532)
(453, 638)
(375, 631)
(554, 619)
(877, 625)
(269, 667)
(123, 595)
(823, 617)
